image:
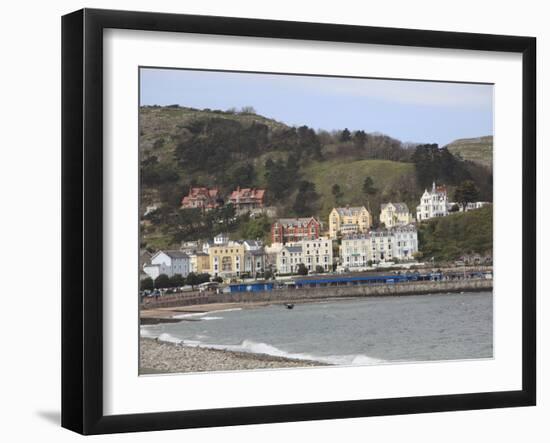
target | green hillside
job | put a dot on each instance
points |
(389, 178)
(448, 238)
(478, 150)
(304, 172)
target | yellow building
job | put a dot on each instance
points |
(349, 220)
(200, 263)
(395, 214)
(227, 260)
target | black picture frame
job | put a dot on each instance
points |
(82, 215)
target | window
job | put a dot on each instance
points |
(226, 264)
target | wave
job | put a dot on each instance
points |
(252, 347)
(264, 348)
(203, 314)
(146, 332)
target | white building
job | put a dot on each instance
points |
(317, 253)
(221, 239)
(360, 250)
(288, 259)
(169, 263)
(255, 261)
(395, 214)
(271, 254)
(311, 253)
(432, 203)
(405, 242)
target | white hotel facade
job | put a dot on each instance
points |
(311, 253)
(383, 245)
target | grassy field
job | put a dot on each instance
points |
(478, 150)
(350, 175)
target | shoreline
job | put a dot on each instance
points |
(177, 314)
(159, 357)
(316, 293)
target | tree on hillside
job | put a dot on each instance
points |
(248, 110)
(308, 142)
(154, 173)
(359, 139)
(337, 193)
(244, 176)
(302, 270)
(281, 176)
(215, 143)
(466, 192)
(345, 135)
(162, 281)
(368, 186)
(435, 164)
(305, 199)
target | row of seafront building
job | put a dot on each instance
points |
(227, 258)
(302, 241)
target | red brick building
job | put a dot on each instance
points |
(203, 198)
(287, 230)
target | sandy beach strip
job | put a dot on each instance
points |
(157, 357)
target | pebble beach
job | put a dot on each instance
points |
(157, 357)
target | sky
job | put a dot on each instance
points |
(411, 111)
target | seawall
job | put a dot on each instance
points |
(323, 293)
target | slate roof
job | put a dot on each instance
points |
(304, 221)
(350, 211)
(175, 254)
(399, 207)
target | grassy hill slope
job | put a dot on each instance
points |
(478, 150)
(350, 175)
(450, 237)
(164, 123)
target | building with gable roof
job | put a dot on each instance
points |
(433, 203)
(202, 198)
(286, 230)
(247, 199)
(169, 263)
(395, 214)
(349, 220)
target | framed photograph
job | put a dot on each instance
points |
(269, 221)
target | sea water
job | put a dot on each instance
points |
(349, 332)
